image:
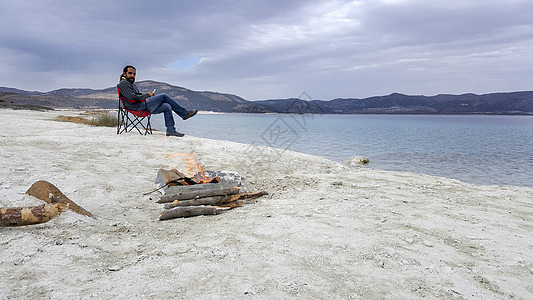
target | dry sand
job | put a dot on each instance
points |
(326, 231)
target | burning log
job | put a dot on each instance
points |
(199, 191)
(47, 192)
(189, 211)
(175, 177)
(216, 200)
(19, 216)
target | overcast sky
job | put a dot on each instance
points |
(272, 49)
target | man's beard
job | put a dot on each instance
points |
(131, 79)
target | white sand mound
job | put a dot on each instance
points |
(326, 231)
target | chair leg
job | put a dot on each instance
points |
(148, 126)
(127, 122)
(122, 122)
(118, 120)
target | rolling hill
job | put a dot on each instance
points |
(512, 103)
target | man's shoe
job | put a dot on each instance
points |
(190, 114)
(175, 133)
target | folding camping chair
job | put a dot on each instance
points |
(130, 119)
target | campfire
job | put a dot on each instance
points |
(174, 177)
(191, 172)
(192, 191)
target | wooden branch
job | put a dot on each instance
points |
(251, 195)
(175, 189)
(233, 204)
(188, 211)
(194, 192)
(175, 177)
(215, 200)
(166, 176)
(19, 216)
(47, 192)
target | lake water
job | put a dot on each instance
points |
(493, 150)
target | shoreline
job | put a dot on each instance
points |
(324, 231)
(473, 170)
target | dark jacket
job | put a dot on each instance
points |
(134, 100)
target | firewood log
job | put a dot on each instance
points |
(199, 193)
(233, 204)
(174, 189)
(216, 200)
(18, 216)
(47, 192)
(188, 211)
(175, 177)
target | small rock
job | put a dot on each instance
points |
(114, 268)
(357, 160)
(428, 244)
(430, 268)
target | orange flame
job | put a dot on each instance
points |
(190, 167)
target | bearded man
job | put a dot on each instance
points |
(155, 104)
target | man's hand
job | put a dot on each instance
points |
(151, 93)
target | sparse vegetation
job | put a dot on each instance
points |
(106, 120)
(77, 120)
(92, 118)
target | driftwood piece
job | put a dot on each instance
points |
(175, 177)
(199, 191)
(215, 200)
(233, 204)
(163, 176)
(175, 189)
(18, 216)
(47, 192)
(189, 211)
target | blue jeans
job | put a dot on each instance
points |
(162, 103)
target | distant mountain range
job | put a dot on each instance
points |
(512, 103)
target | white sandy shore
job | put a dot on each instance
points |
(326, 231)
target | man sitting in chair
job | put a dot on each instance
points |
(155, 104)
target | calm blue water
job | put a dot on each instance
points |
(493, 150)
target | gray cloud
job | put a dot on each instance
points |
(272, 49)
